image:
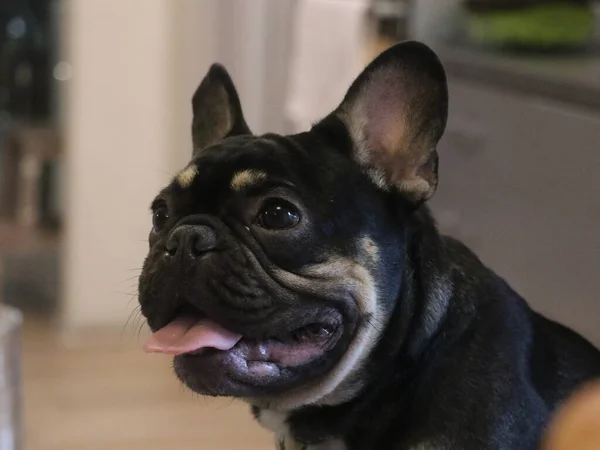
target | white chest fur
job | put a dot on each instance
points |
(276, 422)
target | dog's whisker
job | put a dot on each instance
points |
(134, 316)
(133, 298)
(126, 294)
(140, 329)
(134, 277)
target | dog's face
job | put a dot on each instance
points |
(275, 261)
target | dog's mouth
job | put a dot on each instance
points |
(202, 345)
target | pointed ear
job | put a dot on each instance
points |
(217, 109)
(395, 113)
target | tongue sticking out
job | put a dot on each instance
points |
(188, 334)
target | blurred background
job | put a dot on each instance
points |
(94, 120)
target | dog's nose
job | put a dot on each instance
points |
(194, 240)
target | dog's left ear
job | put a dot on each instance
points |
(217, 109)
(395, 113)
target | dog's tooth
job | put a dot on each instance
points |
(262, 350)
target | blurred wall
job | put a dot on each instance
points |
(126, 121)
(192, 32)
(126, 127)
(253, 41)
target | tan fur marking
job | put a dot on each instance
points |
(378, 178)
(245, 178)
(185, 178)
(370, 249)
(340, 384)
(414, 187)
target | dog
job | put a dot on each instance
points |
(305, 275)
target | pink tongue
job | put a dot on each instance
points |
(186, 334)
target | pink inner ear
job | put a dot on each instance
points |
(396, 112)
(385, 105)
(385, 125)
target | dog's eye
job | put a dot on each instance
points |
(159, 218)
(278, 215)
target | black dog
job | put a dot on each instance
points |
(305, 275)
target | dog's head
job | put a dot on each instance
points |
(275, 261)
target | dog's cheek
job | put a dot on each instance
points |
(233, 280)
(151, 287)
(150, 268)
(349, 282)
(292, 249)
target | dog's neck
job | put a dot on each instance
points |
(421, 309)
(276, 422)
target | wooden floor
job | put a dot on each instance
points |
(115, 397)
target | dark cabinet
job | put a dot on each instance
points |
(520, 184)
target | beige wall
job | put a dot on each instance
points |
(192, 31)
(126, 116)
(126, 125)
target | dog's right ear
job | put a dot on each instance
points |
(217, 110)
(395, 113)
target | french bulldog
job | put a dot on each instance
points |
(305, 275)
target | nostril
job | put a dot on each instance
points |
(193, 244)
(172, 245)
(191, 241)
(204, 241)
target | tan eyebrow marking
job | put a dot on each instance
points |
(186, 177)
(246, 178)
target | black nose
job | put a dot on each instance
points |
(194, 240)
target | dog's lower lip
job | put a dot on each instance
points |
(268, 350)
(263, 354)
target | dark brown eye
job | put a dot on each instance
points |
(278, 215)
(160, 216)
